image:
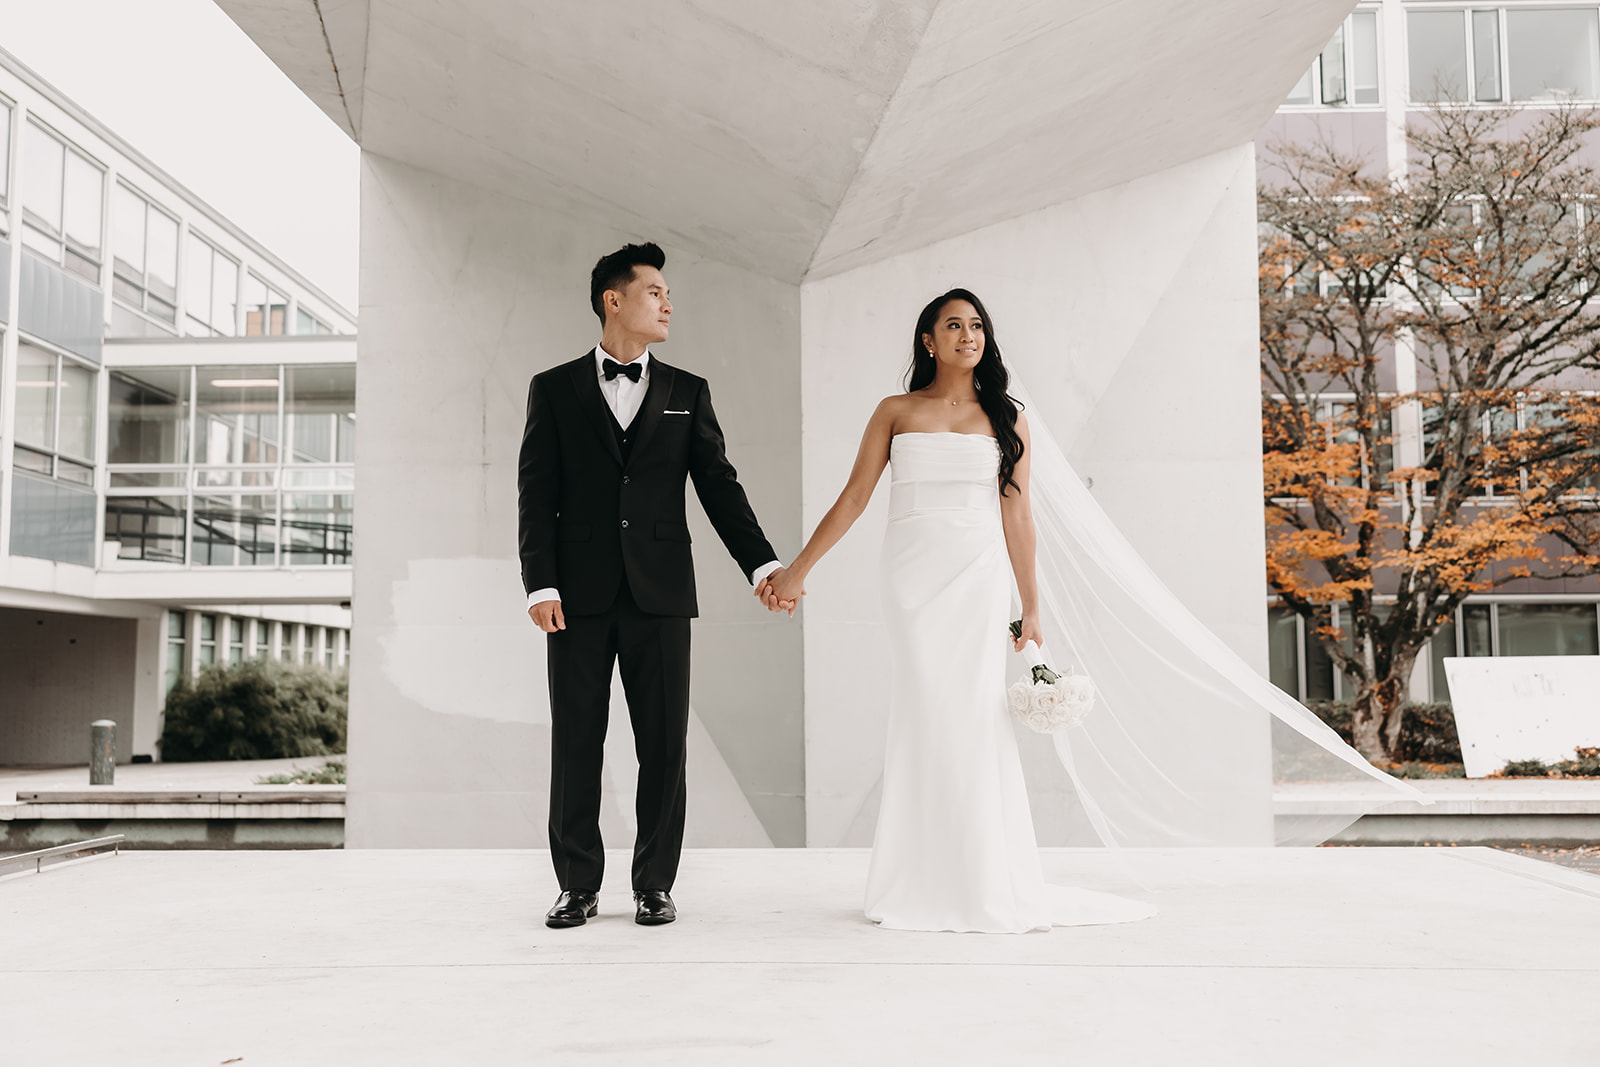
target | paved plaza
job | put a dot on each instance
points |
(1312, 956)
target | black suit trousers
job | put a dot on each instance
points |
(652, 652)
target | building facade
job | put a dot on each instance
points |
(1383, 67)
(177, 435)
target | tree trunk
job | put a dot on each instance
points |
(1376, 721)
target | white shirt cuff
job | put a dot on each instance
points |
(539, 596)
(762, 571)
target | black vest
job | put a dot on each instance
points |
(624, 437)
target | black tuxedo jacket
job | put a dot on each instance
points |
(585, 518)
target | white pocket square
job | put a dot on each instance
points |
(675, 413)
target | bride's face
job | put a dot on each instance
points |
(957, 337)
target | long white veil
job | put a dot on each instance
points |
(1170, 693)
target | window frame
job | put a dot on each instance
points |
(1502, 54)
(58, 233)
(185, 313)
(9, 106)
(56, 456)
(1314, 73)
(143, 284)
(283, 479)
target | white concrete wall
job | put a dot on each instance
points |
(465, 294)
(1130, 314)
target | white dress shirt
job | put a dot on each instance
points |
(624, 397)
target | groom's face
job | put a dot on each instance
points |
(642, 306)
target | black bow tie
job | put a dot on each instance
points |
(631, 371)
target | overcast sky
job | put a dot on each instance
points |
(184, 85)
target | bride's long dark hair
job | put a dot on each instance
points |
(989, 378)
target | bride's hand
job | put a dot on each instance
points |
(1031, 631)
(786, 586)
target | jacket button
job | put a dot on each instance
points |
(624, 479)
(624, 524)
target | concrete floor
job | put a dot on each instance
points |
(1318, 956)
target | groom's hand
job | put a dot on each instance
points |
(767, 592)
(547, 613)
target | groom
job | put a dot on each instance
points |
(610, 440)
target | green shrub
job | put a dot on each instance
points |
(1418, 769)
(1427, 735)
(1584, 764)
(330, 773)
(260, 709)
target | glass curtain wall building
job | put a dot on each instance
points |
(177, 435)
(1389, 60)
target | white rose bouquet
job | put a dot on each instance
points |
(1047, 702)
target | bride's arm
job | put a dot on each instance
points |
(1016, 515)
(871, 458)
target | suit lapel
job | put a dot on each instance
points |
(655, 401)
(593, 403)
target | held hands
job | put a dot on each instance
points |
(1031, 631)
(781, 590)
(547, 613)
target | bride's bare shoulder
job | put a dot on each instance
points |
(892, 407)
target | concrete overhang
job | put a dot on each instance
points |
(798, 140)
(200, 585)
(227, 351)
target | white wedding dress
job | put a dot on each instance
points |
(955, 848)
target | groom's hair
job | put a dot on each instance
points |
(616, 270)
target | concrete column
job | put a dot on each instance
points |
(149, 693)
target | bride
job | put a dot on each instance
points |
(955, 847)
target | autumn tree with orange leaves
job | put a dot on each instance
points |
(1430, 358)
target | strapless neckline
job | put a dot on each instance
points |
(940, 433)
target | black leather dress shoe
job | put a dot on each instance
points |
(653, 907)
(573, 907)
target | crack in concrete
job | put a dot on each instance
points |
(338, 84)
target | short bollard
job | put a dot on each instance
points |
(102, 752)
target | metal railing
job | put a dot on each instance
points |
(60, 853)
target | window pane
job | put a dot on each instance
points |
(255, 306)
(321, 404)
(174, 663)
(77, 410)
(85, 184)
(1333, 69)
(1475, 636)
(1436, 46)
(42, 157)
(1300, 94)
(197, 283)
(317, 529)
(5, 155)
(224, 294)
(263, 630)
(1364, 57)
(1553, 54)
(1486, 55)
(234, 531)
(79, 473)
(149, 418)
(236, 415)
(127, 236)
(1442, 647)
(1319, 668)
(148, 528)
(161, 263)
(25, 459)
(36, 396)
(1283, 649)
(1548, 630)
